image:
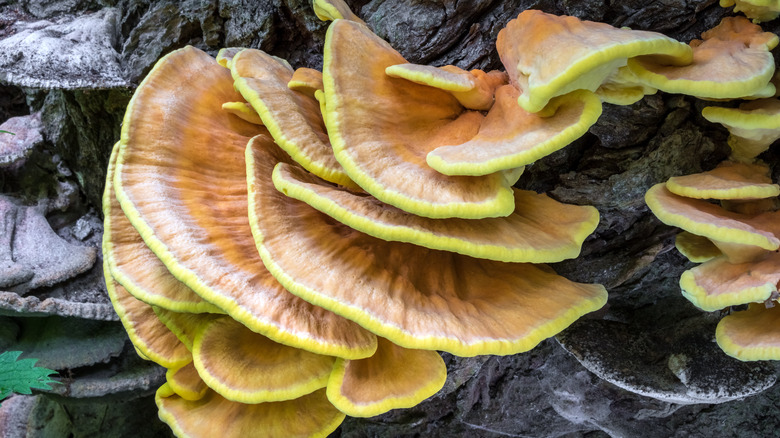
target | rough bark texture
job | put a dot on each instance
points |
(649, 340)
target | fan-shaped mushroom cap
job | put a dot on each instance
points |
(181, 180)
(711, 221)
(546, 55)
(756, 10)
(329, 10)
(540, 230)
(510, 137)
(243, 110)
(697, 249)
(415, 297)
(149, 336)
(754, 126)
(719, 283)
(184, 325)
(753, 334)
(731, 61)
(729, 180)
(225, 56)
(474, 89)
(292, 118)
(394, 377)
(186, 382)
(306, 81)
(246, 367)
(214, 416)
(623, 88)
(135, 266)
(381, 129)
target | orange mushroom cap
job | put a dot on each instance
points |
(381, 129)
(214, 416)
(712, 221)
(510, 137)
(393, 378)
(732, 60)
(293, 118)
(135, 266)
(246, 367)
(754, 126)
(306, 81)
(186, 382)
(474, 89)
(540, 230)
(756, 10)
(415, 297)
(753, 334)
(729, 180)
(329, 10)
(697, 249)
(181, 180)
(546, 55)
(719, 283)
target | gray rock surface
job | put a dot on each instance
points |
(67, 52)
(22, 134)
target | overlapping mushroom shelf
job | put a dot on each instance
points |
(736, 241)
(294, 246)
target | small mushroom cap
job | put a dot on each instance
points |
(243, 110)
(754, 126)
(731, 61)
(186, 382)
(719, 283)
(149, 336)
(181, 180)
(623, 88)
(415, 297)
(293, 119)
(225, 56)
(695, 248)
(474, 89)
(382, 128)
(135, 266)
(753, 334)
(756, 10)
(246, 367)
(306, 81)
(548, 55)
(330, 10)
(510, 137)
(729, 180)
(711, 221)
(540, 230)
(393, 378)
(184, 325)
(214, 416)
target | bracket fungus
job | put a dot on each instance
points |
(732, 60)
(594, 52)
(756, 10)
(283, 293)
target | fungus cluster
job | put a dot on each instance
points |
(737, 238)
(294, 246)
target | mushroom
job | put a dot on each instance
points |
(540, 230)
(697, 249)
(246, 367)
(186, 382)
(474, 89)
(753, 127)
(415, 297)
(752, 334)
(531, 45)
(756, 10)
(306, 80)
(173, 161)
(392, 378)
(212, 415)
(732, 60)
(293, 118)
(381, 129)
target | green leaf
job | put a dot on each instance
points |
(6, 132)
(21, 376)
